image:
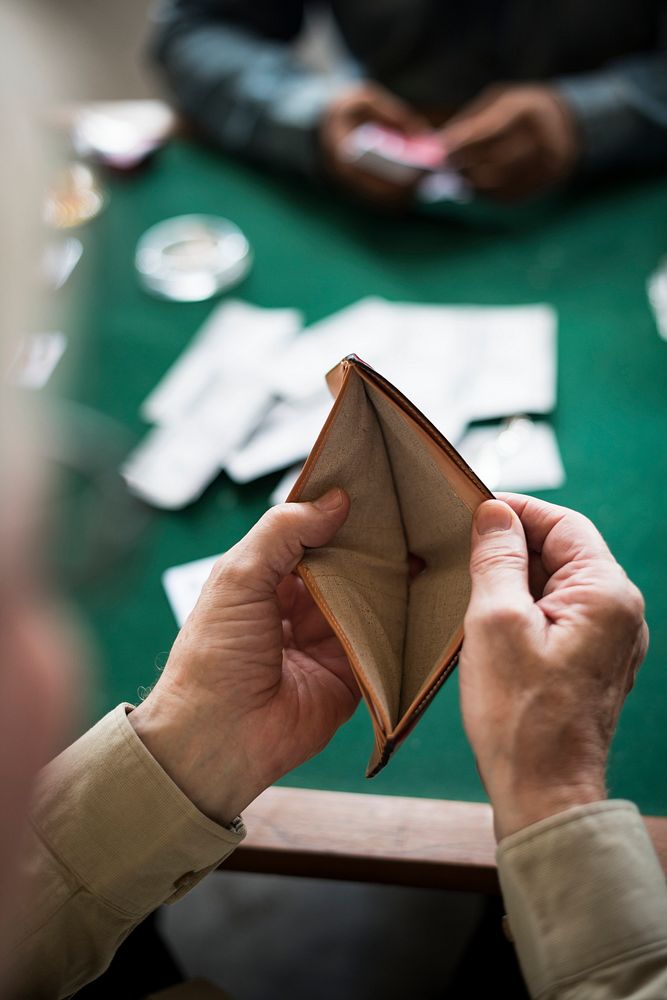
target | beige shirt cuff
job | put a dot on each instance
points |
(117, 821)
(584, 892)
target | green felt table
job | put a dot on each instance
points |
(588, 254)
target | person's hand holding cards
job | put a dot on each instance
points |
(367, 104)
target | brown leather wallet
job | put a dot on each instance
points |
(411, 494)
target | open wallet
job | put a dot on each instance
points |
(411, 495)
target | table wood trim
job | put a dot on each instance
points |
(387, 839)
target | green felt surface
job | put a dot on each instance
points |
(588, 254)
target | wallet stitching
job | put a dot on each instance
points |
(437, 684)
(309, 579)
(438, 677)
(306, 472)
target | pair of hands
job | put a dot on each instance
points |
(257, 683)
(509, 143)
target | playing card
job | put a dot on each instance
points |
(208, 403)
(183, 585)
(457, 363)
(236, 343)
(172, 466)
(284, 438)
(364, 328)
(391, 154)
(519, 455)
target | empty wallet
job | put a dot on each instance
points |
(411, 495)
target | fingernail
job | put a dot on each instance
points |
(331, 500)
(494, 515)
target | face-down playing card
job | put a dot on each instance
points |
(411, 494)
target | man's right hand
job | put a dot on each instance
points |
(366, 102)
(554, 636)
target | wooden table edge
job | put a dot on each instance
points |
(388, 839)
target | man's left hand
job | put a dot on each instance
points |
(257, 682)
(513, 142)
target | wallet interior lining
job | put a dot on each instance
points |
(402, 501)
(362, 573)
(437, 528)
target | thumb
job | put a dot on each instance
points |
(272, 549)
(498, 556)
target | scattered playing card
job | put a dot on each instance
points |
(172, 465)
(284, 438)
(248, 394)
(209, 402)
(457, 363)
(520, 455)
(235, 345)
(183, 585)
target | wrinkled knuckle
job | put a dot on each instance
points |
(275, 516)
(624, 606)
(233, 570)
(279, 520)
(491, 562)
(503, 618)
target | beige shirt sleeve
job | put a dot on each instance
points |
(112, 838)
(587, 905)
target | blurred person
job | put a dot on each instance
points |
(523, 94)
(146, 803)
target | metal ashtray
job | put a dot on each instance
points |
(192, 257)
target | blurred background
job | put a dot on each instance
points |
(114, 37)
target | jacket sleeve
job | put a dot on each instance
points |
(587, 905)
(112, 838)
(621, 112)
(231, 69)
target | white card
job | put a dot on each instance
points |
(208, 403)
(183, 585)
(36, 359)
(284, 438)
(172, 465)
(516, 364)
(364, 328)
(520, 455)
(456, 363)
(237, 344)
